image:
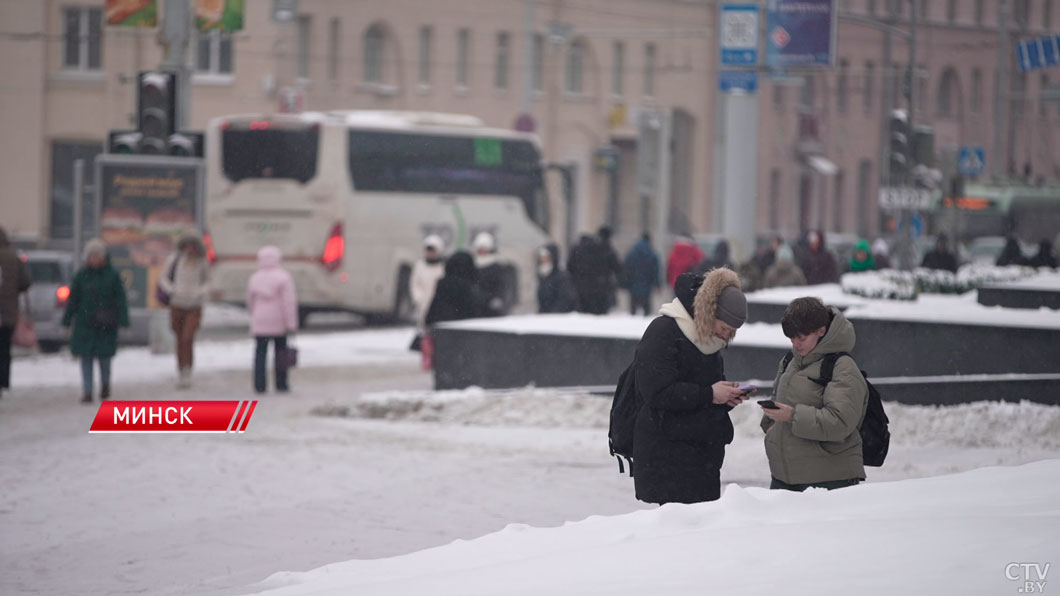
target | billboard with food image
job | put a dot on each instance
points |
(224, 15)
(132, 13)
(145, 205)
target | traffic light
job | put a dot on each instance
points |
(125, 142)
(185, 144)
(156, 107)
(898, 132)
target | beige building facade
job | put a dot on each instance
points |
(585, 74)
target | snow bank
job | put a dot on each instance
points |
(957, 534)
(980, 424)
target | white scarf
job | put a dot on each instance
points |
(676, 311)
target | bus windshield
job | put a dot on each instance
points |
(260, 150)
(420, 163)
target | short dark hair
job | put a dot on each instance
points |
(805, 315)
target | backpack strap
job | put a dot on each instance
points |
(787, 360)
(828, 367)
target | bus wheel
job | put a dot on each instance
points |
(403, 309)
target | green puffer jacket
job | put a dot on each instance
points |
(822, 442)
(92, 288)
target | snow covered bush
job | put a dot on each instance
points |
(906, 285)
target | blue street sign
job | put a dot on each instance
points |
(745, 81)
(739, 35)
(971, 161)
(800, 33)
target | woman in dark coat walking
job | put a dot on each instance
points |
(683, 424)
(96, 308)
(457, 295)
(555, 290)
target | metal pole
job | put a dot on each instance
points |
(528, 62)
(1001, 106)
(176, 32)
(79, 210)
(906, 256)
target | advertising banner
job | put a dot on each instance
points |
(800, 33)
(145, 204)
(223, 15)
(132, 13)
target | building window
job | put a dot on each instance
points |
(948, 94)
(334, 35)
(872, 7)
(951, 11)
(1019, 101)
(82, 38)
(618, 68)
(774, 199)
(920, 79)
(924, 10)
(977, 91)
(61, 224)
(841, 98)
(649, 70)
(500, 75)
(1047, 14)
(373, 54)
(537, 71)
(1020, 12)
(1042, 103)
(214, 52)
(575, 67)
(807, 92)
(869, 87)
(301, 65)
(463, 54)
(979, 11)
(837, 202)
(426, 38)
(864, 198)
(778, 96)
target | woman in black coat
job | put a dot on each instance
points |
(683, 424)
(457, 295)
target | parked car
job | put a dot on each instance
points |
(52, 273)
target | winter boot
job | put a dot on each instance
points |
(104, 393)
(87, 398)
(184, 379)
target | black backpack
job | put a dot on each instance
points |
(624, 408)
(875, 437)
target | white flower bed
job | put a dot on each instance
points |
(892, 284)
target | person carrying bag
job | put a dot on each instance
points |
(273, 306)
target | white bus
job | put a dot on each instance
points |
(349, 197)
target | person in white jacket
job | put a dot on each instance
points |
(273, 306)
(185, 280)
(424, 278)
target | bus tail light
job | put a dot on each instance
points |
(334, 249)
(62, 293)
(211, 254)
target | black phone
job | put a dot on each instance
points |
(768, 404)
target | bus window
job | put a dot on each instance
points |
(417, 163)
(257, 150)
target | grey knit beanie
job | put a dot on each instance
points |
(94, 246)
(732, 307)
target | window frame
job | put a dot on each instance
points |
(215, 40)
(502, 61)
(84, 39)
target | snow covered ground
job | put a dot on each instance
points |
(363, 462)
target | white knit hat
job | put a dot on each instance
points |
(484, 240)
(434, 241)
(94, 246)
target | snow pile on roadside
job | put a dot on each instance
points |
(967, 533)
(979, 424)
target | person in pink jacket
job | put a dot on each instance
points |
(273, 308)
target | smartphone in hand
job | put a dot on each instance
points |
(768, 404)
(745, 389)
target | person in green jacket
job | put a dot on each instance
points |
(812, 438)
(862, 259)
(96, 308)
